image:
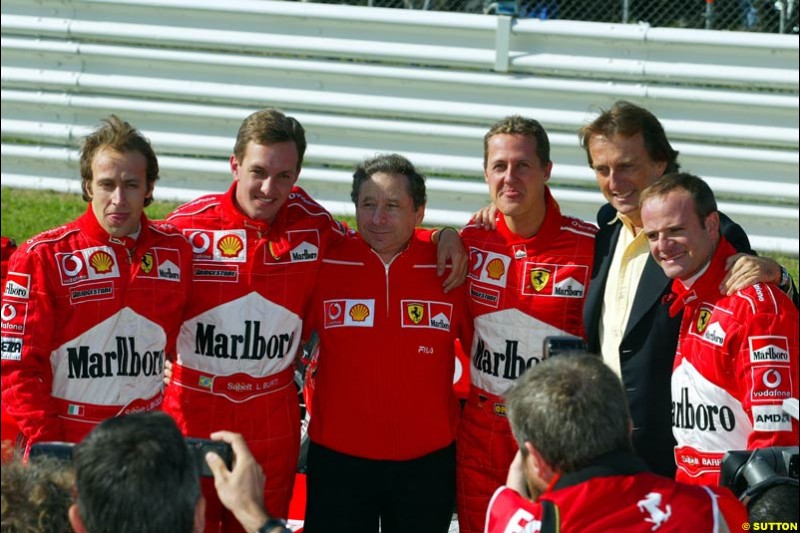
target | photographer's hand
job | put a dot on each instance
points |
(242, 490)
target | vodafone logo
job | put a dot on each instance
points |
(200, 242)
(9, 312)
(71, 265)
(334, 311)
(772, 378)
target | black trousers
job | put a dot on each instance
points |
(352, 494)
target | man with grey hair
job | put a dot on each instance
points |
(570, 418)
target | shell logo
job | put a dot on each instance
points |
(273, 251)
(102, 262)
(359, 312)
(230, 246)
(495, 269)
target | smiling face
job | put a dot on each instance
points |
(679, 242)
(623, 169)
(118, 190)
(516, 176)
(385, 214)
(265, 177)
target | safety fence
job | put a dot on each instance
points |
(425, 84)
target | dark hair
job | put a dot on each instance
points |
(571, 408)
(36, 496)
(518, 125)
(390, 164)
(135, 473)
(775, 504)
(627, 119)
(118, 135)
(270, 126)
(701, 193)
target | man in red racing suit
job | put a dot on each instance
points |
(616, 493)
(737, 355)
(238, 342)
(527, 280)
(91, 309)
(576, 460)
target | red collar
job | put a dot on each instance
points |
(549, 229)
(92, 226)
(707, 285)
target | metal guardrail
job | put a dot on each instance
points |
(367, 80)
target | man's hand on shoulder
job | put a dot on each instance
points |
(451, 249)
(745, 270)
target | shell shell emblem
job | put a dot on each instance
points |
(539, 278)
(230, 246)
(359, 312)
(147, 262)
(495, 269)
(702, 319)
(101, 262)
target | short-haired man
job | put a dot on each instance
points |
(385, 414)
(527, 280)
(257, 250)
(571, 420)
(626, 314)
(737, 356)
(135, 473)
(91, 308)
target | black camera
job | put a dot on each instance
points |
(197, 448)
(558, 344)
(200, 447)
(749, 472)
(57, 450)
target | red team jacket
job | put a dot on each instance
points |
(616, 494)
(82, 338)
(385, 376)
(736, 362)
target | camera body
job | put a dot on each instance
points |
(197, 448)
(200, 447)
(557, 344)
(749, 472)
(55, 449)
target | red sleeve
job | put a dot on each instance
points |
(768, 365)
(28, 323)
(508, 507)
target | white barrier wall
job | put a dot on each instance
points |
(367, 80)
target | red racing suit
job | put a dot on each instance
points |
(616, 494)
(87, 322)
(736, 362)
(251, 282)
(384, 385)
(519, 291)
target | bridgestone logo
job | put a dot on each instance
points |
(216, 273)
(92, 292)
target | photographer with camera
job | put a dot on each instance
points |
(576, 470)
(136, 473)
(766, 481)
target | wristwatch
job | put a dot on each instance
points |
(274, 525)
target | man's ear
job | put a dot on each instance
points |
(537, 462)
(75, 519)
